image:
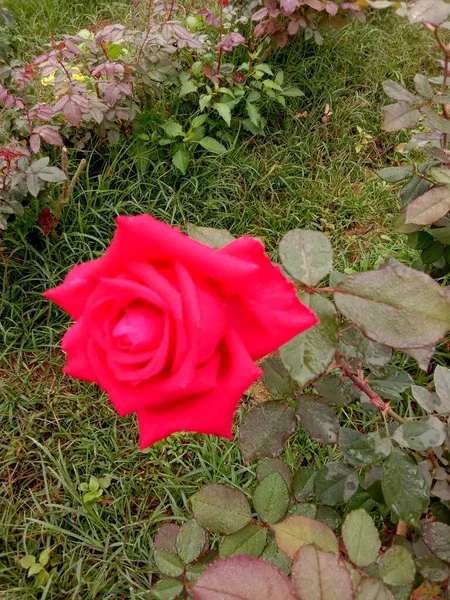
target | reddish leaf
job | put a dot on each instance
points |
(243, 578)
(35, 143)
(289, 6)
(49, 135)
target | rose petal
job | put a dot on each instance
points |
(159, 390)
(74, 345)
(266, 313)
(211, 412)
(73, 294)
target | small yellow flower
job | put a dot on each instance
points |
(48, 80)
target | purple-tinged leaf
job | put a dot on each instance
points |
(243, 578)
(399, 116)
(73, 48)
(429, 11)
(319, 575)
(210, 74)
(35, 143)
(110, 33)
(230, 41)
(397, 92)
(289, 6)
(297, 531)
(265, 430)
(210, 18)
(428, 208)
(395, 306)
(49, 135)
(260, 14)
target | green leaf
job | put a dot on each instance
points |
(172, 129)
(275, 556)
(319, 575)
(166, 538)
(198, 121)
(397, 566)
(264, 68)
(306, 255)
(317, 418)
(433, 568)
(166, 589)
(224, 111)
(215, 238)
(373, 589)
(212, 145)
(276, 379)
(181, 159)
(404, 487)
(391, 383)
(361, 538)
(437, 537)
(335, 483)
(271, 498)
(308, 355)
(105, 482)
(292, 92)
(279, 78)
(354, 343)
(83, 487)
(44, 557)
(429, 11)
(427, 400)
(253, 113)
(442, 384)
(52, 174)
(435, 120)
(42, 577)
(267, 466)
(395, 306)
(35, 569)
(336, 390)
(360, 449)
(433, 253)
(328, 516)
(423, 87)
(265, 430)
(186, 88)
(92, 497)
(399, 116)
(168, 563)
(243, 577)
(421, 434)
(27, 561)
(297, 531)
(93, 484)
(271, 85)
(250, 540)
(191, 541)
(441, 174)
(397, 92)
(303, 484)
(220, 509)
(394, 174)
(304, 509)
(204, 101)
(417, 186)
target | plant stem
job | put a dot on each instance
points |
(149, 15)
(220, 39)
(444, 49)
(68, 189)
(370, 393)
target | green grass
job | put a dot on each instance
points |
(57, 431)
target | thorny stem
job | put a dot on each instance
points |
(445, 50)
(68, 188)
(220, 39)
(149, 16)
(370, 393)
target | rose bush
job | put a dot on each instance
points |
(170, 328)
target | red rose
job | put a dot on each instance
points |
(170, 328)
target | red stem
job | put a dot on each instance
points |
(220, 39)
